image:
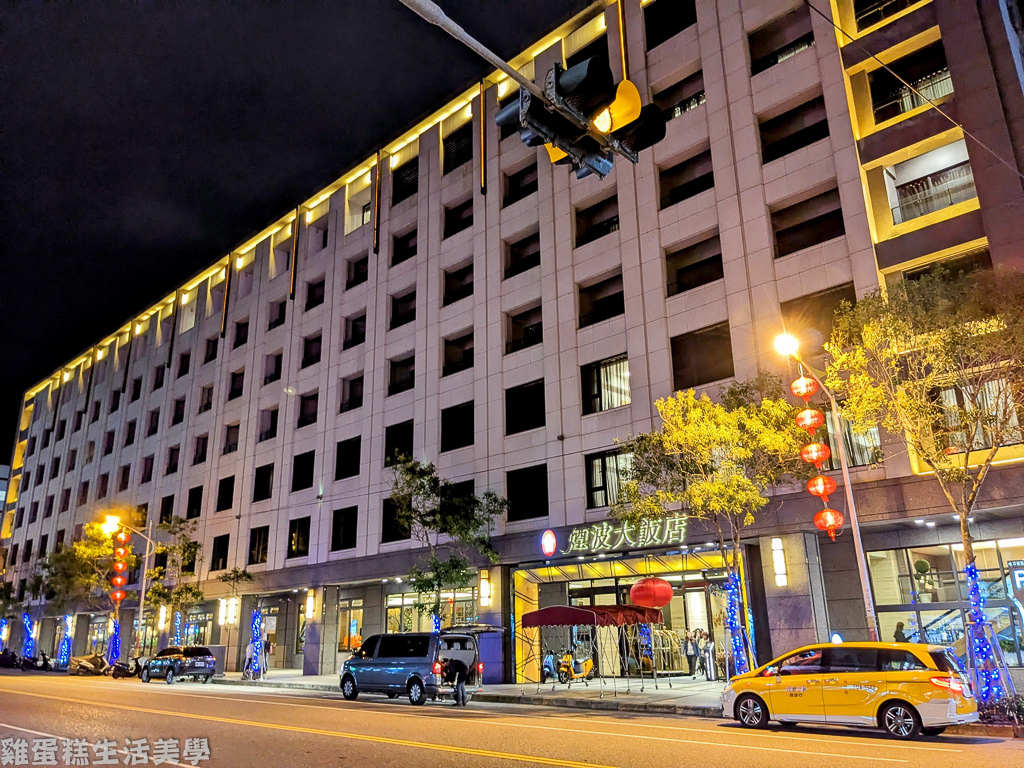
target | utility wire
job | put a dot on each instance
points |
(920, 95)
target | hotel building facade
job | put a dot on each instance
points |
(458, 299)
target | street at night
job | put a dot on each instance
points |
(248, 727)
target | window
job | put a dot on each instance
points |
(153, 422)
(809, 318)
(205, 398)
(597, 220)
(272, 365)
(102, 486)
(136, 392)
(158, 377)
(392, 526)
(346, 458)
(597, 47)
(525, 329)
(664, 19)
(682, 97)
(235, 384)
(351, 393)
(298, 537)
(601, 301)
(324, 236)
(527, 492)
(167, 508)
(695, 265)
(355, 331)
(43, 541)
(199, 450)
(847, 659)
(398, 442)
(925, 69)
(308, 405)
(48, 506)
(803, 663)
(524, 407)
(173, 458)
(219, 553)
(605, 385)
(231, 435)
(686, 179)
(147, 469)
(62, 429)
(225, 493)
(72, 459)
(954, 266)
(278, 313)
(311, 349)
(457, 147)
(108, 445)
(458, 284)
(14, 554)
(302, 471)
(458, 354)
(344, 525)
(115, 401)
(194, 505)
(403, 247)
(930, 182)
(458, 217)
(519, 185)
(95, 416)
(867, 13)
(401, 374)
(403, 309)
(33, 511)
(178, 412)
(808, 223)
(211, 350)
(268, 424)
(259, 541)
(793, 130)
(65, 500)
(263, 483)
(511, 129)
(78, 419)
(184, 363)
(241, 333)
(58, 543)
(780, 40)
(358, 271)
(19, 518)
(605, 474)
(405, 181)
(27, 554)
(315, 293)
(703, 356)
(55, 467)
(522, 255)
(457, 426)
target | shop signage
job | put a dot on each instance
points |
(1017, 578)
(607, 536)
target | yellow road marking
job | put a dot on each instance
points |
(447, 748)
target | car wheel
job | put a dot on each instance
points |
(751, 711)
(932, 731)
(415, 691)
(145, 674)
(392, 695)
(170, 677)
(900, 720)
(348, 688)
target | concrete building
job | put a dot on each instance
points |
(459, 299)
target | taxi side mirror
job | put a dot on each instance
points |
(771, 672)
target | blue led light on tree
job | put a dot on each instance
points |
(986, 670)
(257, 643)
(732, 617)
(114, 646)
(29, 648)
(64, 653)
(177, 628)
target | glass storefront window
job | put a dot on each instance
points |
(944, 627)
(890, 580)
(458, 607)
(932, 572)
(898, 626)
(350, 624)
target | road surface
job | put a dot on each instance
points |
(245, 727)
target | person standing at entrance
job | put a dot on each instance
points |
(690, 651)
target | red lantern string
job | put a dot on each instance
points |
(810, 419)
(829, 520)
(804, 388)
(822, 486)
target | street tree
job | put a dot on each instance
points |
(235, 578)
(938, 362)
(78, 575)
(171, 586)
(451, 523)
(717, 461)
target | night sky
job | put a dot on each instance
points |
(142, 141)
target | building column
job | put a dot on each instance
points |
(328, 613)
(794, 599)
(81, 639)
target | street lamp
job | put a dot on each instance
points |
(788, 346)
(111, 524)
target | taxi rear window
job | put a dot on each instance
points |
(945, 661)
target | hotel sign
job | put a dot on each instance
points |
(608, 536)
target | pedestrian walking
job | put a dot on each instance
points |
(690, 651)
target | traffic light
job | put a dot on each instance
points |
(586, 118)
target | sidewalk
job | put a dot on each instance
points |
(675, 696)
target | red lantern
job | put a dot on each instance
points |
(830, 520)
(821, 486)
(651, 593)
(120, 552)
(119, 581)
(815, 453)
(810, 419)
(117, 595)
(120, 567)
(123, 537)
(804, 387)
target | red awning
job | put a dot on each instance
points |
(592, 616)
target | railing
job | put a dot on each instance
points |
(934, 192)
(932, 87)
(598, 230)
(532, 334)
(780, 55)
(794, 141)
(521, 192)
(688, 189)
(603, 309)
(687, 105)
(872, 12)
(464, 363)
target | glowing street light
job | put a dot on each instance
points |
(787, 345)
(111, 525)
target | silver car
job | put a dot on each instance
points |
(411, 663)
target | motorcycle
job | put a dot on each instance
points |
(548, 668)
(95, 664)
(9, 660)
(573, 668)
(132, 669)
(34, 663)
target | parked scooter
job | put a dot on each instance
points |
(94, 664)
(40, 663)
(573, 668)
(549, 669)
(131, 669)
(9, 660)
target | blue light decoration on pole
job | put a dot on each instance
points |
(257, 643)
(732, 618)
(437, 622)
(29, 648)
(177, 628)
(114, 646)
(64, 653)
(3, 632)
(986, 671)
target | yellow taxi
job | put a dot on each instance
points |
(903, 688)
